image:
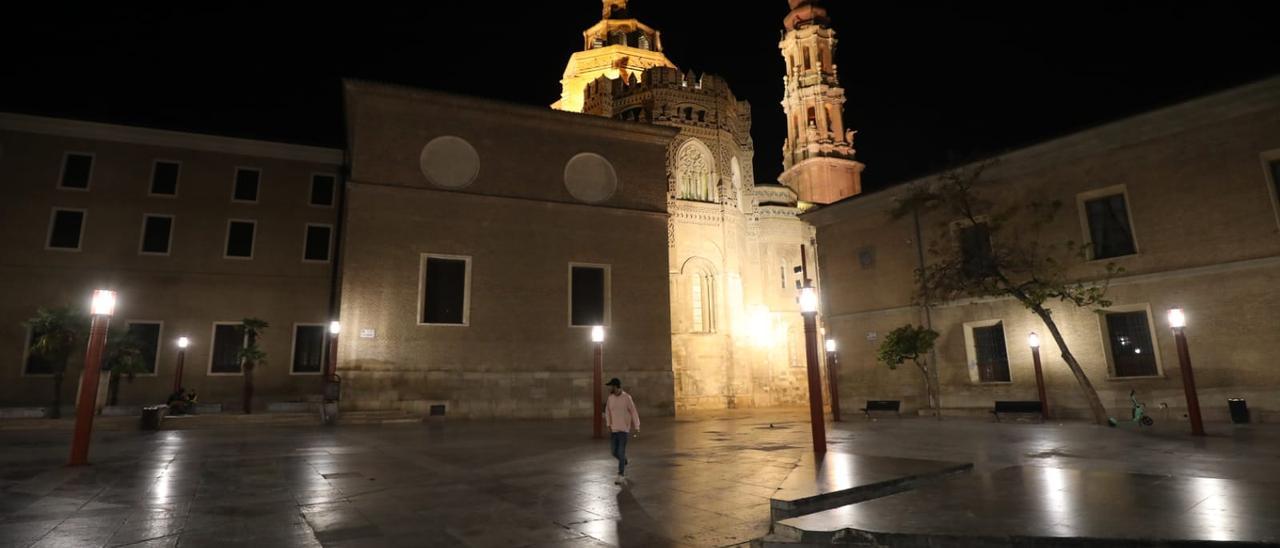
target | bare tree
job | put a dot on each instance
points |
(986, 250)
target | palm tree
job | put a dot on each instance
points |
(251, 356)
(124, 358)
(56, 334)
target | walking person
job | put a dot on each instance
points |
(622, 419)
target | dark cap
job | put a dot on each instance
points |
(614, 382)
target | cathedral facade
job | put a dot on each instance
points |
(736, 246)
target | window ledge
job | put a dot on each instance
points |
(1112, 259)
(1136, 378)
(989, 383)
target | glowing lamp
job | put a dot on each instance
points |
(335, 327)
(831, 345)
(808, 300)
(104, 302)
(1177, 319)
(597, 333)
(183, 342)
(1033, 340)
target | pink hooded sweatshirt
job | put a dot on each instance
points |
(620, 413)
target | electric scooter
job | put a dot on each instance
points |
(1139, 413)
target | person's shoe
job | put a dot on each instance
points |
(619, 480)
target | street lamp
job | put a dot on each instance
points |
(1178, 321)
(809, 311)
(1033, 340)
(101, 307)
(331, 367)
(183, 343)
(597, 384)
(833, 368)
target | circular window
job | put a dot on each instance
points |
(590, 178)
(449, 162)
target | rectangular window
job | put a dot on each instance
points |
(588, 295)
(225, 356)
(76, 170)
(322, 187)
(308, 348)
(164, 178)
(317, 244)
(990, 353)
(1132, 351)
(66, 228)
(157, 232)
(148, 335)
(240, 239)
(246, 189)
(1109, 228)
(1275, 177)
(35, 365)
(975, 250)
(446, 288)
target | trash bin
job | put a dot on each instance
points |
(151, 417)
(1239, 410)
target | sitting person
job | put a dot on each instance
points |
(179, 403)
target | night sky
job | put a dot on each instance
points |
(928, 85)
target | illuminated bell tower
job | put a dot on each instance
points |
(618, 46)
(818, 156)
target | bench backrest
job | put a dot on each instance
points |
(883, 405)
(1018, 407)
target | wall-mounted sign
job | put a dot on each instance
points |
(872, 335)
(367, 333)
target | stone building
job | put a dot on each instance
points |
(1184, 199)
(195, 232)
(482, 241)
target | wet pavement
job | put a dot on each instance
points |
(1088, 507)
(701, 480)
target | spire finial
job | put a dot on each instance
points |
(615, 8)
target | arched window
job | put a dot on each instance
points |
(702, 302)
(695, 173)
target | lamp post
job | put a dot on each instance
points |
(597, 383)
(102, 307)
(1033, 340)
(183, 343)
(809, 310)
(1178, 321)
(833, 367)
(331, 365)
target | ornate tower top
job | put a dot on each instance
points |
(804, 12)
(615, 9)
(619, 46)
(817, 157)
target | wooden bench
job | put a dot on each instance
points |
(1018, 408)
(894, 406)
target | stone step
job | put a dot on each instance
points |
(837, 479)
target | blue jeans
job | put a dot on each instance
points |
(618, 443)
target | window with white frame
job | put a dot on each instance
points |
(322, 189)
(147, 335)
(1130, 342)
(445, 290)
(308, 348)
(317, 243)
(986, 350)
(1108, 228)
(66, 229)
(224, 353)
(77, 169)
(588, 294)
(246, 185)
(164, 178)
(157, 234)
(240, 235)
